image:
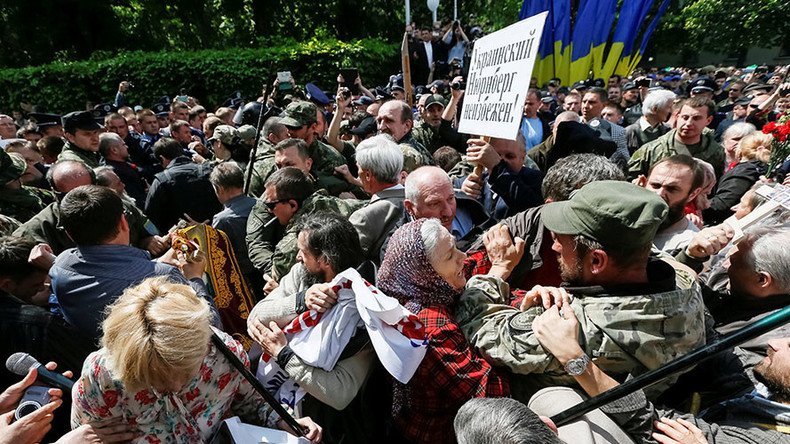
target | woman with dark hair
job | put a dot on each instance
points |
(423, 269)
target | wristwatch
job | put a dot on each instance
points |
(576, 367)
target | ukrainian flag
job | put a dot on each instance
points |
(632, 14)
(636, 58)
(604, 18)
(562, 40)
(581, 40)
(544, 64)
(591, 46)
(556, 36)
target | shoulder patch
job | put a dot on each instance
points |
(522, 322)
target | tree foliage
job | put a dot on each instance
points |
(210, 75)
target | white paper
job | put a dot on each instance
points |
(499, 74)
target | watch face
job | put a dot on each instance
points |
(576, 367)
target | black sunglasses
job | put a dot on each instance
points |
(272, 204)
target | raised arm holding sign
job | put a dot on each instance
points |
(499, 74)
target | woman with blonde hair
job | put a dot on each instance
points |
(755, 150)
(158, 372)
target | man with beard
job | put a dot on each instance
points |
(327, 245)
(602, 237)
(677, 180)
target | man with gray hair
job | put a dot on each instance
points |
(656, 109)
(746, 281)
(227, 179)
(116, 155)
(429, 194)
(380, 163)
(502, 421)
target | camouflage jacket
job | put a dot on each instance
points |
(262, 167)
(427, 136)
(45, 227)
(426, 157)
(325, 158)
(650, 153)
(70, 152)
(623, 329)
(284, 255)
(24, 203)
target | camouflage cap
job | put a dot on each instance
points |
(298, 114)
(613, 213)
(226, 134)
(12, 166)
(247, 133)
(411, 158)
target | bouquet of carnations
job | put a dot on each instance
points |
(780, 147)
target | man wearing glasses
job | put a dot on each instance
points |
(273, 225)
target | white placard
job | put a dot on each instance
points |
(499, 74)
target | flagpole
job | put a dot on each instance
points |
(408, 12)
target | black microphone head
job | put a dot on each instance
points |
(19, 363)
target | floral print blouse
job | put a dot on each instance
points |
(192, 415)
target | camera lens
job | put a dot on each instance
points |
(26, 408)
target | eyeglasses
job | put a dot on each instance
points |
(272, 204)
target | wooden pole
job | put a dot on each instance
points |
(406, 68)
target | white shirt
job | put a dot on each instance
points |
(429, 52)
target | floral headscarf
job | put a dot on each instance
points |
(407, 275)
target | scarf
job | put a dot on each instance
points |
(407, 275)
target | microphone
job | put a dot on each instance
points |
(20, 363)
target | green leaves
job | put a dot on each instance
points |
(209, 75)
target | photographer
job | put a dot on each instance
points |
(455, 41)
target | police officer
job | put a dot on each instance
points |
(82, 136)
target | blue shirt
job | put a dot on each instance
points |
(532, 129)
(85, 280)
(233, 221)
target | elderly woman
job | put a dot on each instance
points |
(158, 371)
(731, 140)
(755, 151)
(423, 269)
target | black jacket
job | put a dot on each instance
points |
(732, 186)
(182, 188)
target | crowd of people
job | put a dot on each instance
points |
(601, 243)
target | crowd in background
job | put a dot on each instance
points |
(601, 243)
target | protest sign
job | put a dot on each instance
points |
(499, 74)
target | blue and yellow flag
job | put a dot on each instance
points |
(647, 34)
(551, 60)
(632, 14)
(582, 38)
(592, 44)
(604, 17)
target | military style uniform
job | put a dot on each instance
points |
(624, 329)
(427, 136)
(325, 158)
(262, 167)
(71, 152)
(285, 252)
(425, 157)
(24, 203)
(45, 227)
(667, 145)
